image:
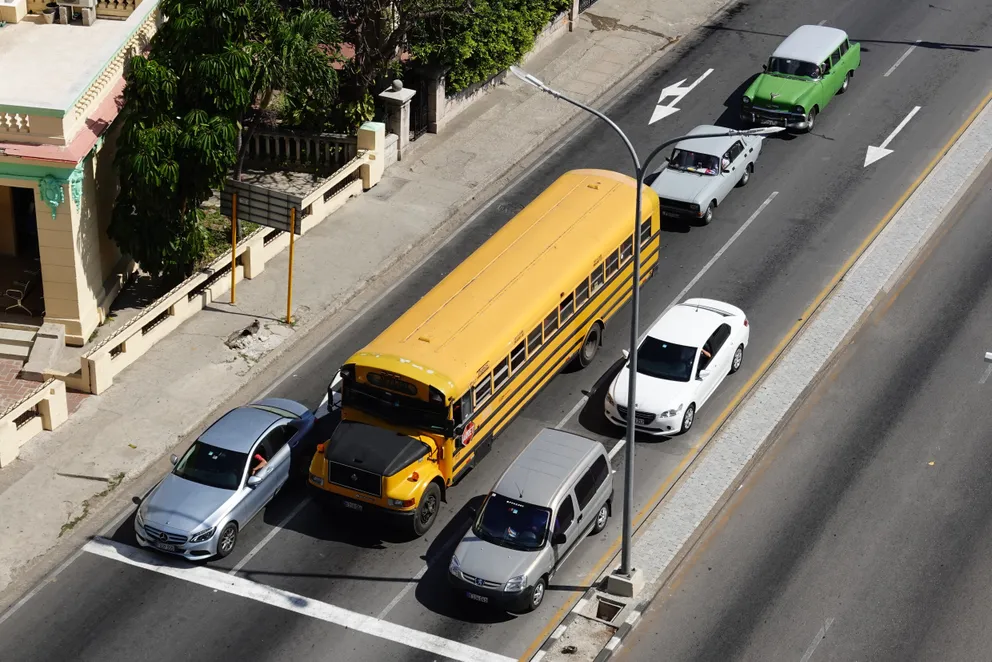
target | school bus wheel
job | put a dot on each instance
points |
(430, 503)
(591, 345)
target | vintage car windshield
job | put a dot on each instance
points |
(786, 67)
(703, 164)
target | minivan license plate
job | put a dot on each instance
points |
(352, 505)
(477, 598)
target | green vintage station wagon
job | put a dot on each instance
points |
(803, 74)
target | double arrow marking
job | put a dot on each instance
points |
(677, 92)
(880, 152)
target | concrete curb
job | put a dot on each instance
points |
(920, 250)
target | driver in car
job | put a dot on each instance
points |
(260, 461)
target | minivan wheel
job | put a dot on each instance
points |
(536, 595)
(590, 346)
(430, 502)
(228, 540)
(688, 418)
(601, 518)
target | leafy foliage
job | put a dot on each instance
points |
(212, 66)
(474, 47)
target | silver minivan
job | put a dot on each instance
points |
(557, 490)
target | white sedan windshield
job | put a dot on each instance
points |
(665, 360)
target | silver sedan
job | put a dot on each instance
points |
(224, 479)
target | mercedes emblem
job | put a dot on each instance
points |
(163, 537)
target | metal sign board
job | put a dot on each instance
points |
(261, 205)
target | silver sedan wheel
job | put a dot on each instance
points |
(228, 539)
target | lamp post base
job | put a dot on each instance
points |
(625, 586)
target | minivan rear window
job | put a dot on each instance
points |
(511, 523)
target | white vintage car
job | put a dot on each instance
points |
(701, 172)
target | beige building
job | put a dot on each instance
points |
(62, 76)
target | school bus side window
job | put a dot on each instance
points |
(611, 264)
(501, 374)
(483, 390)
(461, 411)
(582, 293)
(518, 356)
(567, 307)
(597, 278)
(646, 230)
(626, 250)
(534, 340)
(550, 324)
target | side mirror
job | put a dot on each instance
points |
(764, 67)
(136, 500)
(174, 459)
(626, 354)
(253, 481)
(703, 374)
(558, 538)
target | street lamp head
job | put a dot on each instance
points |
(528, 78)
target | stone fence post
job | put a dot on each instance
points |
(397, 100)
(573, 15)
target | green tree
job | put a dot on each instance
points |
(379, 31)
(210, 72)
(474, 47)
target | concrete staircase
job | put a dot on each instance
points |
(16, 340)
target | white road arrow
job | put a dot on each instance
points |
(677, 92)
(880, 152)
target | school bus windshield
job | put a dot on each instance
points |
(395, 409)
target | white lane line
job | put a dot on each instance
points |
(822, 22)
(272, 534)
(402, 594)
(985, 378)
(816, 640)
(621, 442)
(575, 410)
(293, 602)
(902, 57)
(680, 295)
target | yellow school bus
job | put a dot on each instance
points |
(423, 402)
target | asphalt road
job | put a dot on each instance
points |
(869, 519)
(826, 203)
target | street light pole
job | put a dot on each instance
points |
(640, 172)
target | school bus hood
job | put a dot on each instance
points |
(374, 449)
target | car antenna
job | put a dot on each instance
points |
(520, 492)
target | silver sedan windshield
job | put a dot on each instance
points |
(213, 466)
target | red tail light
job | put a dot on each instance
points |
(745, 321)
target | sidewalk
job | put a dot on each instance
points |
(114, 437)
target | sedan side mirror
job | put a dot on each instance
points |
(174, 459)
(703, 374)
(253, 481)
(558, 538)
(626, 354)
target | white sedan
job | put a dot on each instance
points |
(680, 363)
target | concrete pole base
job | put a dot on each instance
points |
(625, 587)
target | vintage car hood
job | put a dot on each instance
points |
(684, 186)
(788, 92)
